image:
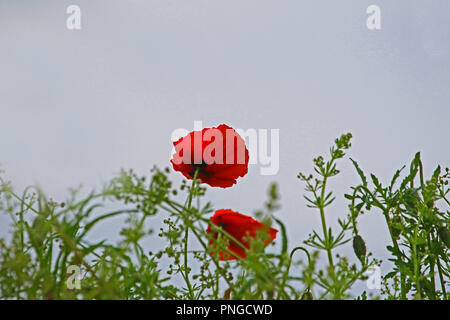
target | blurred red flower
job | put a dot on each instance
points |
(219, 154)
(243, 228)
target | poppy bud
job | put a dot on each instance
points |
(444, 234)
(396, 229)
(411, 199)
(359, 247)
(227, 294)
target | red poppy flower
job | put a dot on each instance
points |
(243, 228)
(219, 154)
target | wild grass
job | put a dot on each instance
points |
(50, 256)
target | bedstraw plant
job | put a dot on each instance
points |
(174, 244)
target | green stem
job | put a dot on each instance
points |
(397, 249)
(416, 262)
(324, 224)
(432, 265)
(288, 267)
(199, 238)
(441, 278)
(186, 234)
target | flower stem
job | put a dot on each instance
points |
(186, 234)
(441, 278)
(324, 224)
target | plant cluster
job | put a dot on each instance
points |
(211, 253)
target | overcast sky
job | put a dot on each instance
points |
(76, 106)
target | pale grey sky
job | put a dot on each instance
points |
(76, 106)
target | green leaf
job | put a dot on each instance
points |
(360, 172)
(284, 239)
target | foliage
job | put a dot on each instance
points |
(417, 226)
(51, 240)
